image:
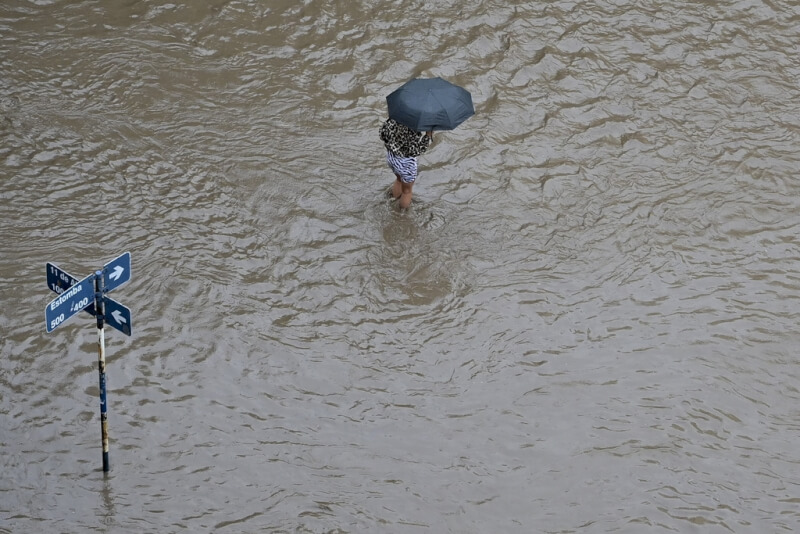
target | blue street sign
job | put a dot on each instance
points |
(117, 272)
(117, 315)
(68, 303)
(59, 281)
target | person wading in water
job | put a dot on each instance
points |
(403, 145)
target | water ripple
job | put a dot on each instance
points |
(592, 301)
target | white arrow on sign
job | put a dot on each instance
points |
(118, 317)
(118, 270)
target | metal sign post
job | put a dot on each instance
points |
(101, 367)
(89, 295)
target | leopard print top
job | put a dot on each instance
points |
(403, 141)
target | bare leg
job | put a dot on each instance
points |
(405, 196)
(397, 188)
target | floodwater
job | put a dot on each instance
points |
(587, 321)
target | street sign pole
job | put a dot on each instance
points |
(101, 351)
(89, 295)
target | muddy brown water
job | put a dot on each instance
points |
(587, 322)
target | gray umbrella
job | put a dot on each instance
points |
(430, 104)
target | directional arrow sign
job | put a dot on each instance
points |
(59, 281)
(117, 315)
(68, 303)
(117, 272)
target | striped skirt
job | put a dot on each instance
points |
(405, 168)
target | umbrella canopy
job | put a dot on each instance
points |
(430, 104)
